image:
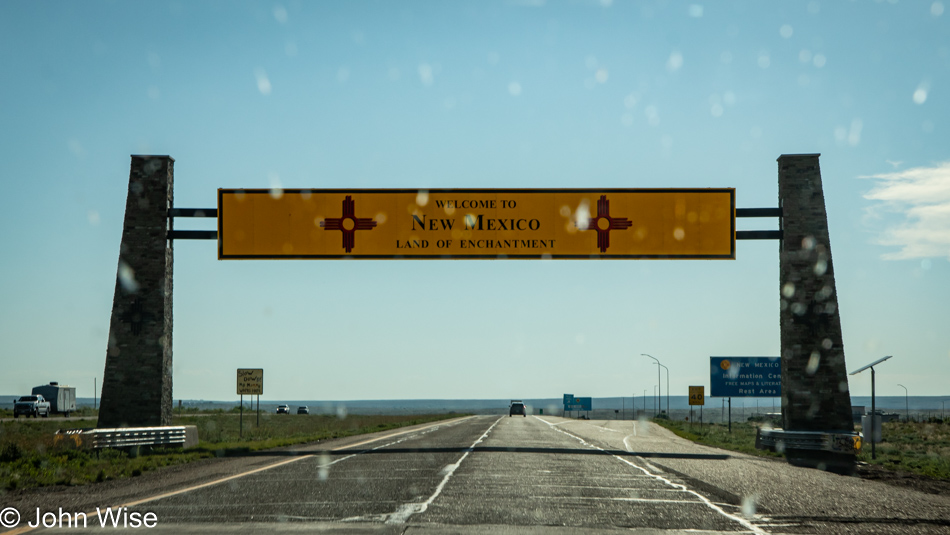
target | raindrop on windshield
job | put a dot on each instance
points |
(127, 278)
(749, 506)
(788, 290)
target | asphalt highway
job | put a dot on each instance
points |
(532, 474)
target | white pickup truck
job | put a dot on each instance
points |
(34, 406)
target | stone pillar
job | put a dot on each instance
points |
(137, 384)
(815, 394)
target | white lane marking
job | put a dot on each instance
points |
(427, 429)
(408, 509)
(711, 505)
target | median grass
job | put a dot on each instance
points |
(31, 457)
(918, 447)
(741, 438)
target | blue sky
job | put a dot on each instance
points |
(472, 94)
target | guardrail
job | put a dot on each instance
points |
(185, 436)
(783, 440)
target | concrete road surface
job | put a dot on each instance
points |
(490, 474)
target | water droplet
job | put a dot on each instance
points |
(263, 82)
(798, 308)
(582, 215)
(843, 386)
(749, 506)
(936, 9)
(341, 412)
(786, 31)
(821, 266)
(788, 290)
(819, 60)
(813, 362)
(323, 472)
(764, 60)
(514, 89)
(920, 95)
(804, 56)
(630, 101)
(695, 11)
(679, 233)
(422, 198)
(425, 74)
(127, 278)
(675, 62)
(601, 75)
(808, 243)
(93, 217)
(827, 343)
(342, 74)
(280, 14)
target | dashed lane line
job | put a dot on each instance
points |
(95, 513)
(745, 523)
(409, 509)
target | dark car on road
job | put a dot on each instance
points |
(517, 407)
(303, 410)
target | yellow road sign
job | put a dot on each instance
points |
(250, 381)
(497, 223)
(697, 395)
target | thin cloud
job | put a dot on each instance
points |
(921, 198)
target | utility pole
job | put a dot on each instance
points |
(658, 381)
(906, 405)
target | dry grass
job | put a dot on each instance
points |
(29, 456)
(918, 447)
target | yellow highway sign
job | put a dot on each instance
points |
(697, 395)
(495, 223)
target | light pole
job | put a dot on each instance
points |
(906, 409)
(658, 381)
(667, 390)
(873, 406)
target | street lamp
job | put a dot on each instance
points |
(658, 380)
(906, 409)
(873, 406)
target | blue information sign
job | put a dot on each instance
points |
(745, 377)
(572, 403)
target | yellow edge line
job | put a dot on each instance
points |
(249, 472)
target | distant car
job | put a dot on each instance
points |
(283, 409)
(303, 410)
(517, 407)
